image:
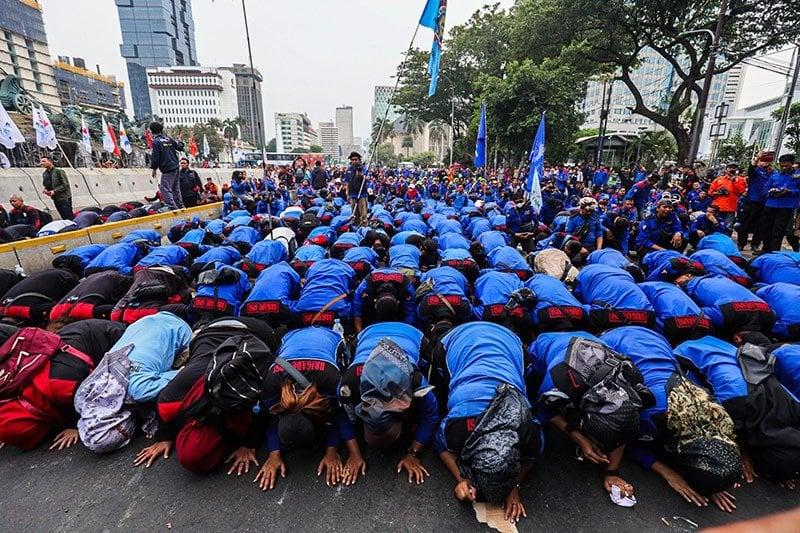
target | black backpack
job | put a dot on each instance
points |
(235, 375)
(385, 284)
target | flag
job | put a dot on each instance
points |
(86, 139)
(45, 134)
(433, 17)
(206, 149)
(109, 139)
(480, 145)
(193, 151)
(124, 142)
(148, 138)
(536, 168)
(9, 132)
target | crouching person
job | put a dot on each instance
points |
(594, 395)
(128, 380)
(300, 393)
(206, 412)
(384, 388)
(45, 370)
(489, 437)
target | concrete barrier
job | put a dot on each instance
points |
(38, 254)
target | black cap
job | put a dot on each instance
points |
(296, 431)
(786, 158)
(354, 154)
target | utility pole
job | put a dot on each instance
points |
(699, 117)
(787, 107)
(604, 111)
(253, 93)
(452, 120)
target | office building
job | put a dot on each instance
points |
(24, 52)
(656, 79)
(329, 139)
(155, 33)
(380, 102)
(78, 85)
(192, 95)
(293, 131)
(251, 104)
(344, 121)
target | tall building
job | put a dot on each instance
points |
(380, 102)
(155, 33)
(24, 50)
(329, 138)
(656, 79)
(293, 131)
(78, 85)
(251, 104)
(192, 95)
(344, 121)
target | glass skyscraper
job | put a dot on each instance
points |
(155, 33)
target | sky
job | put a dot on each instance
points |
(314, 55)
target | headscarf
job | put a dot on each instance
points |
(386, 388)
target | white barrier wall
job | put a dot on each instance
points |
(91, 187)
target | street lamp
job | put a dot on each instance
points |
(452, 114)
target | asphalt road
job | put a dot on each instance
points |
(74, 490)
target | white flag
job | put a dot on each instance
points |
(108, 141)
(86, 139)
(206, 149)
(124, 142)
(9, 132)
(45, 134)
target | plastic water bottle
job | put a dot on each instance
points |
(338, 328)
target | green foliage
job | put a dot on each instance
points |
(216, 144)
(315, 148)
(657, 146)
(423, 159)
(384, 155)
(272, 145)
(734, 150)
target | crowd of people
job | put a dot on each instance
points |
(333, 309)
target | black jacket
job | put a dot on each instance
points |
(165, 153)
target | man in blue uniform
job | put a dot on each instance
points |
(660, 231)
(782, 191)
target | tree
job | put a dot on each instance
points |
(315, 148)
(384, 155)
(408, 143)
(300, 151)
(612, 34)
(734, 150)
(272, 145)
(657, 146)
(423, 159)
(412, 124)
(792, 133)
(230, 130)
(381, 130)
(438, 131)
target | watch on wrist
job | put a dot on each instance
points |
(414, 453)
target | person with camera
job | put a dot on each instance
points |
(725, 191)
(782, 191)
(356, 189)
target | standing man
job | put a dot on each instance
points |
(189, 183)
(56, 186)
(725, 191)
(165, 159)
(757, 176)
(782, 192)
(356, 191)
(319, 177)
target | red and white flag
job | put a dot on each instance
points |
(109, 139)
(86, 139)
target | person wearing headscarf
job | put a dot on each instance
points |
(585, 225)
(384, 388)
(489, 437)
(300, 393)
(685, 437)
(592, 394)
(766, 416)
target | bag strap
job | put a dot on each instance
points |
(78, 354)
(10, 301)
(446, 303)
(567, 267)
(295, 374)
(328, 306)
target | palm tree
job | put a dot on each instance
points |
(658, 146)
(413, 125)
(438, 130)
(381, 130)
(230, 130)
(408, 143)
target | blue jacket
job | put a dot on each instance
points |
(326, 280)
(309, 253)
(653, 231)
(599, 286)
(491, 240)
(716, 364)
(314, 343)
(652, 355)
(447, 281)
(609, 257)
(407, 337)
(85, 253)
(479, 357)
(588, 230)
(777, 267)
(507, 258)
(756, 183)
(408, 302)
(231, 293)
(494, 288)
(788, 194)
(267, 253)
(639, 193)
(150, 235)
(669, 302)
(719, 242)
(453, 240)
(701, 223)
(718, 263)
(244, 234)
(227, 255)
(278, 282)
(787, 367)
(550, 292)
(784, 299)
(165, 153)
(171, 254)
(121, 257)
(404, 256)
(712, 292)
(156, 340)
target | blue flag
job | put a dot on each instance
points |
(480, 145)
(433, 17)
(536, 170)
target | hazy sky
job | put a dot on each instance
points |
(314, 54)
